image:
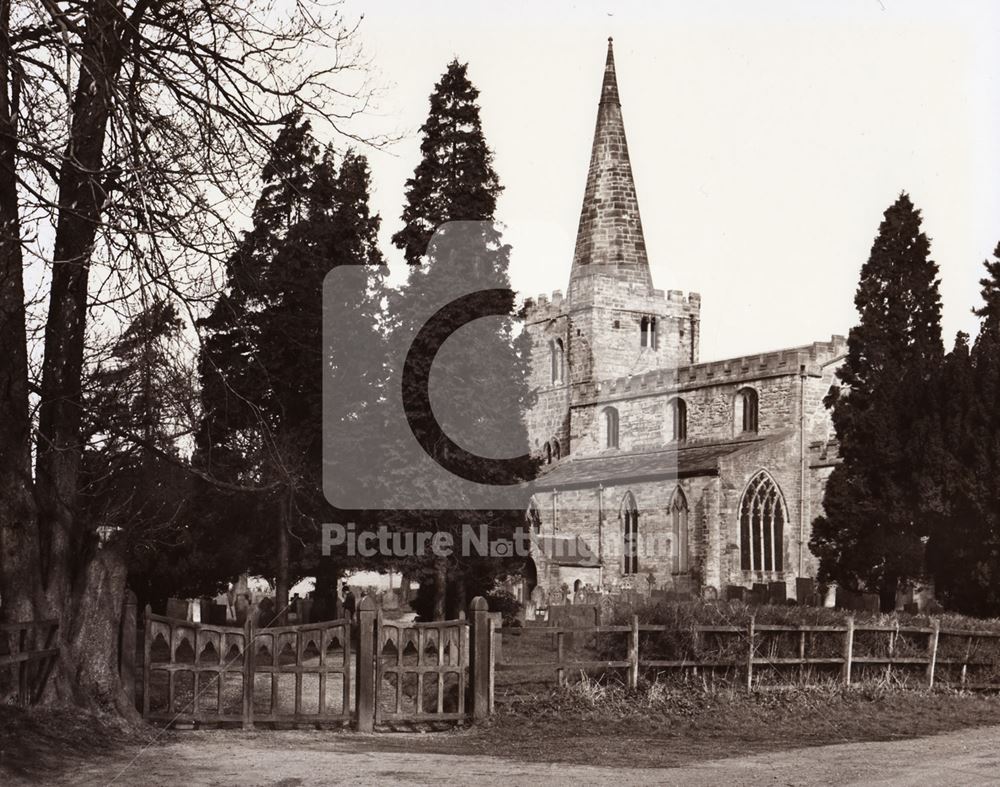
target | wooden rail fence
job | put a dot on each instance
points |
(29, 649)
(752, 640)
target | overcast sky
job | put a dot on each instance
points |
(766, 139)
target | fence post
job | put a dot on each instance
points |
(365, 702)
(147, 646)
(249, 651)
(848, 650)
(560, 672)
(633, 654)
(965, 661)
(479, 665)
(932, 648)
(750, 651)
(22, 668)
(126, 663)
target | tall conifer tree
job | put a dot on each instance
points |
(263, 361)
(880, 502)
(455, 182)
(965, 554)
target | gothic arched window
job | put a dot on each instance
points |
(747, 410)
(547, 451)
(630, 534)
(678, 415)
(762, 525)
(557, 353)
(679, 520)
(556, 451)
(610, 427)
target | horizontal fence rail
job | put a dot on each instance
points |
(29, 650)
(750, 650)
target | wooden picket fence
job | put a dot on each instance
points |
(29, 650)
(754, 639)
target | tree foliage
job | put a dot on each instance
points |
(484, 372)
(880, 502)
(263, 363)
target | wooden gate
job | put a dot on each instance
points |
(311, 673)
(421, 670)
(195, 672)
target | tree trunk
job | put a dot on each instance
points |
(440, 587)
(281, 583)
(19, 558)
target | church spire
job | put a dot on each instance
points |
(609, 239)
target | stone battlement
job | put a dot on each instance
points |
(548, 307)
(730, 370)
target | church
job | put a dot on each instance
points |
(662, 471)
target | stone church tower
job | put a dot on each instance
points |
(721, 464)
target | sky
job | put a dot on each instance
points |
(766, 141)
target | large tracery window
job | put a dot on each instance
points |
(762, 525)
(630, 535)
(679, 519)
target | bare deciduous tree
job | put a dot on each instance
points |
(128, 132)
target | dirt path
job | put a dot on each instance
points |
(294, 759)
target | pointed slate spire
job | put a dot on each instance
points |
(609, 240)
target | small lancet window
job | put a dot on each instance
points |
(678, 420)
(610, 427)
(630, 535)
(647, 332)
(557, 353)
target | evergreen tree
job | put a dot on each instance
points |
(455, 182)
(263, 359)
(966, 555)
(455, 179)
(881, 500)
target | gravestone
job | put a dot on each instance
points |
(217, 614)
(266, 610)
(805, 587)
(177, 608)
(869, 602)
(846, 599)
(777, 593)
(913, 608)
(735, 593)
(242, 607)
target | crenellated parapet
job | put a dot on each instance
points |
(796, 360)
